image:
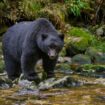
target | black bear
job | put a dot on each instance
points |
(26, 42)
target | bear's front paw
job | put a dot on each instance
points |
(33, 77)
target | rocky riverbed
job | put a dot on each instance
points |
(65, 89)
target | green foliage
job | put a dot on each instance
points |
(56, 14)
(14, 10)
(1, 5)
(33, 6)
(92, 70)
(63, 66)
(80, 38)
(75, 6)
(30, 8)
(100, 45)
(89, 67)
(2, 30)
(63, 52)
(1, 66)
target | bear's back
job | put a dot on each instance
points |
(14, 38)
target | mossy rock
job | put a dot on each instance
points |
(91, 51)
(97, 56)
(100, 45)
(63, 66)
(78, 40)
(98, 30)
(96, 68)
(76, 45)
(79, 60)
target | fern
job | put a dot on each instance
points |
(75, 6)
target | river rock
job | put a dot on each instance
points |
(77, 41)
(81, 59)
(5, 83)
(64, 59)
(99, 58)
(91, 52)
(100, 31)
(65, 81)
(96, 56)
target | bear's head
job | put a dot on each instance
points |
(51, 44)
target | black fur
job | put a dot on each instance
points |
(27, 42)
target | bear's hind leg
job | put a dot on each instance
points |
(12, 67)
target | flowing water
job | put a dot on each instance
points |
(88, 94)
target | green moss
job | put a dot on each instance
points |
(80, 38)
(80, 32)
(49, 13)
(63, 66)
(30, 8)
(1, 66)
(97, 68)
(91, 51)
(63, 52)
(1, 59)
(82, 44)
(100, 46)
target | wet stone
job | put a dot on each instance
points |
(22, 92)
(5, 83)
(100, 98)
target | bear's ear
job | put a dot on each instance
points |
(61, 36)
(44, 36)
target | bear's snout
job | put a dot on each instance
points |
(52, 54)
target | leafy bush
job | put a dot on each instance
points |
(55, 13)
(30, 7)
(75, 6)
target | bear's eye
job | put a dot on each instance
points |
(44, 36)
